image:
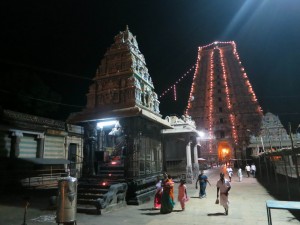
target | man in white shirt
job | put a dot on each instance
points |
(230, 173)
(253, 169)
(223, 186)
(247, 168)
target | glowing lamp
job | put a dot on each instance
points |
(107, 123)
(201, 134)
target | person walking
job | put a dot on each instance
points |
(253, 169)
(240, 174)
(167, 198)
(247, 168)
(203, 180)
(182, 194)
(230, 173)
(158, 194)
(223, 187)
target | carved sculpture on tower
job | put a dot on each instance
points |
(122, 79)
(222, 102)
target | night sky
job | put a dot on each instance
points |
(64, 41)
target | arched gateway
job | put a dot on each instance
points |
(225, 151)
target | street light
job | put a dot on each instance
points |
(106, 123)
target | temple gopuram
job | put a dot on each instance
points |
(223, 103)
(122, 126)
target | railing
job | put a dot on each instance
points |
(176, 168)
(289, 170)
(43, 179)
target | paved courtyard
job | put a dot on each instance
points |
(247, 206)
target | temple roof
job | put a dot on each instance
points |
(117, 114)
(122, 80)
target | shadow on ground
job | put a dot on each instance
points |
(39, 199)
(216, 214)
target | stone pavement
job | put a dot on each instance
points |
(247, 207)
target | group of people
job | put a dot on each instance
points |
(250, 169)
(230, 173)
(223, 187)
(164, 196)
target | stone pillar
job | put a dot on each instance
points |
(196, 154)
(189, 169)
(196, 164)
(90, 143)
(40, 146)
(188, 154)
(15, 144)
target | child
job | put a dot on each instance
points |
(182, 194)
(158, 194)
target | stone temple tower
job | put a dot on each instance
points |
(122, 79)
(222, 103)
(122, 124)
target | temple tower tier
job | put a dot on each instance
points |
(122, 79)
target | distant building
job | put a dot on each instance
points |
(274, 150)
(272, 136)
(181, 147)
(222, 102)
(35, 151)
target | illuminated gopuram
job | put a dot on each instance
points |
(222, 103)
(122, 127)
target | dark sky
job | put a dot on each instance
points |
(70, 36)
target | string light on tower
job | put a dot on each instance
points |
(177, 82)
(221, 99)
(210, 101)
(228, 100)
(175, 95)
(191, 96)
(250, 90)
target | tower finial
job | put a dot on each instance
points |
(127, 28)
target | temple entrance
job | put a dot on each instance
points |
(224, 152)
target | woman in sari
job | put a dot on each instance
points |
(167, 199)
(203, 180)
